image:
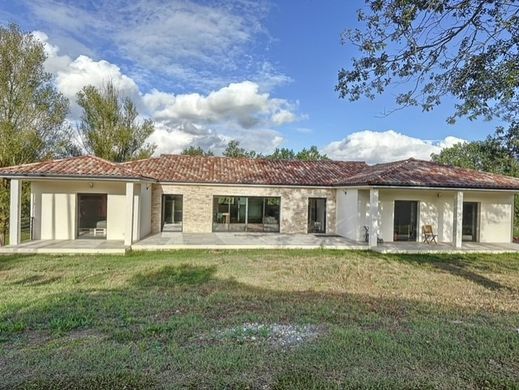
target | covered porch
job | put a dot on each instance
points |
(84, 213)
(450, 219)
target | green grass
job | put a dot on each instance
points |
(150, 320)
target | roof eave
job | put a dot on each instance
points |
(45, 176)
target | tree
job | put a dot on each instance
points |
(196, 151)
(282, 154)
(110, 127)
(32, 111)
(311, 154)
(487, 155)
(234, 150)
(464, 48)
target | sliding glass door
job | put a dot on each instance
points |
(405, 220)
(172, 213)
(92, 211)
(316, 215)
(246, 214)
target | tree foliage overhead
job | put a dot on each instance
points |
(464, 48)
(110, 127)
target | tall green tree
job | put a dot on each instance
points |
(311, 154)
(427, 50)
(32, 111)
(234, 149)
(282, 154)
(196, 151)
(110, 127)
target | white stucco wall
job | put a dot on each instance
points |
(54, 208)
(495, 215)
(145, 210)
(348, 213)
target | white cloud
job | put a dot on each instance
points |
(72, 75)
(383, 146)
(237, 111)
(204, 44)
(238, 103)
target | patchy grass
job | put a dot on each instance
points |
(209, 318)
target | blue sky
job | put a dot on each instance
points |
(210, 71)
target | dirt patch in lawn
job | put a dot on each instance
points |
(276, 335)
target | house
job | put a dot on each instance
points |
(88, 197)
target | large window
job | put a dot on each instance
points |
(245, 214)
(92, 215)
(172, 213)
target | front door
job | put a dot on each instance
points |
(317, 215)
(470, 221)
(405, 220)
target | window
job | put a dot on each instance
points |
(246, 214)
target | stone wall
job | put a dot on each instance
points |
(198, 205)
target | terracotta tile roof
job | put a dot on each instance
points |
(420, 173)
(222, 170)
(198, 169)
(84, 166)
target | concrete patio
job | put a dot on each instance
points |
(174, 240)
(67, 247)
(170, 240)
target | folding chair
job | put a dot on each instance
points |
(428, 236)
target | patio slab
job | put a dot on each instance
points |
(166, 240)
(443, 247)
(67, 247)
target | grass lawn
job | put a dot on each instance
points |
(259, 319)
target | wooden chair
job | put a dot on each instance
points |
(428, 236)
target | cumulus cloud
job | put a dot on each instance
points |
(204, 44)
(240, 103)
(383, 146)
(237, 111)
(73, 74)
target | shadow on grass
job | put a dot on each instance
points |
(170, 276)
(36, 280)
(456, 266)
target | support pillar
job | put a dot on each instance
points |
(457, 225)
(128, 234)
(373, 217)
(15, 212)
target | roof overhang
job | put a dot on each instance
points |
(430, 188)
(47, 177)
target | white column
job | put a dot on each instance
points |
(373, 217)
(15, 212)
(128, 235)
(457, 231)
